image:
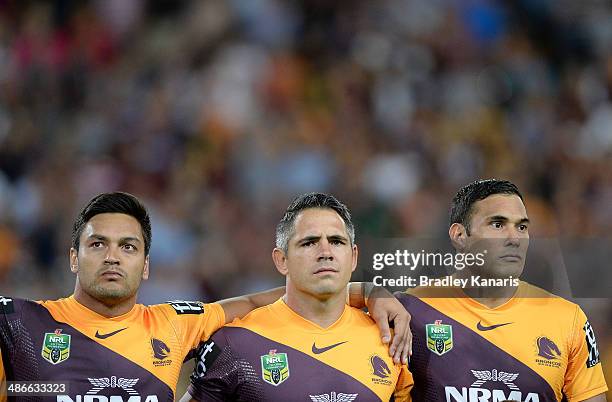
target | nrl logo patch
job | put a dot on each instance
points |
(439, 337)
(56, 347)
(274, 367)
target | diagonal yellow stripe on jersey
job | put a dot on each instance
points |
(157, 338)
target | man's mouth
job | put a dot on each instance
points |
(511, 257)
(324, 270)
(111, 275)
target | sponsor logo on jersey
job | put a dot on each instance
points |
(6, 305)
(274, 367)
(318, 351)
(439, 337)
(493, 375)
(187, 307)
(333, 397)
(160, 352)
(548, 352)
(56, 347)
(124, 386)
(593, 357)
(474, 393)
(481, 327)
(380, 370)
(206, 356)
(109, 334)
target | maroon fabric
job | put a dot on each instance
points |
(236, 374)
(23, 325)
(433, 373)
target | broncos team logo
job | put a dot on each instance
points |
(547, 348)
(160, 349)
(379, 367)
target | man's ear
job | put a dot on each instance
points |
(74, 260)
(280, 261)
(355, 255)
(145, 271)
(458, 236)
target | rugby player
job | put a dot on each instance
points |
(308, 345)
(496, 343)
(98, 344)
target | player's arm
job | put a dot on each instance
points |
(238, 307)
(214, 378)
(584, 379)
(3, 391)
(384, 308)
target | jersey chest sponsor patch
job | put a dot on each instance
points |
(111, 389)
(490, 386)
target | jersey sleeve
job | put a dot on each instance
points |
(403, 386)
(2, 380)
(219, 375)
(195, 322)
(7, 306)
(584, 376)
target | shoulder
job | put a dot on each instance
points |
(260, 316)
(14, 305)
(361, 319)
(408, 297)
(538, 297)
(174, 308)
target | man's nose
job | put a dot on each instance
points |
(513, 238)
(112, 256)
(325, 252)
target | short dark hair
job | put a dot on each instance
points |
(286, 226)
(115, 202)
(461, 207)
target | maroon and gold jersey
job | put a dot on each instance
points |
(536, 347)
(274, 354)
(136, 356)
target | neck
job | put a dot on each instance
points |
(105, 308)
(322, 311)
(489, 296)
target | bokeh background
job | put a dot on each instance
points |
(217, 113)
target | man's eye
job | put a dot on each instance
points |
(337, 242)
(522, 228)
(308, 243)
(129, 247)
(97, 244)
(497, 225)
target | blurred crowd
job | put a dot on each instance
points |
(217, 113)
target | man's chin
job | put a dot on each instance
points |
(110, 293)
(503, 271)
(327, 291)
